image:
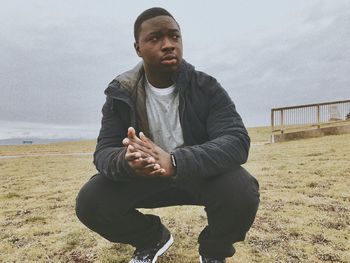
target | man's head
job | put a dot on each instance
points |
(147, 14)
(158, 42)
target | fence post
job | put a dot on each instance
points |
(318, 116)
(281, 121)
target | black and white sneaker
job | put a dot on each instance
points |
(150, 255)
(203, 259)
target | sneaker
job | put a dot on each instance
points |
(203, 259)
(150, 255)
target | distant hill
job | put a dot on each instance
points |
(257, 134)
(18, 141)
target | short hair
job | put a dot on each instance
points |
(148, 14)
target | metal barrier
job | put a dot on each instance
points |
(308, 116)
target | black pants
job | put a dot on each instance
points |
(231, 201)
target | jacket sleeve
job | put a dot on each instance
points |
(228, 144)
(109, 156)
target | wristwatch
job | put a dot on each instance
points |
(173, 160)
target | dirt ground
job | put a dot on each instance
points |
(304, 215)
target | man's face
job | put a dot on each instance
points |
(159, 44)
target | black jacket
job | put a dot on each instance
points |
(214, 135)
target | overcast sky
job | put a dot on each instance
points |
(57, 57)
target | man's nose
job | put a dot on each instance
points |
(167, 44)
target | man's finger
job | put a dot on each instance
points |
(159, 172)
(131, 132)
(142, 136)
(149, 143)
(131, 156)
(150, 170)
(152, 166)
(151, 173)
(132, 135)
(126, 141)
(143, 163)
(135, 148)
(137, 140)
(140, 154)
(131, 147)
(140, 147)
(146, 140)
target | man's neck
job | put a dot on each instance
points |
(159, 81)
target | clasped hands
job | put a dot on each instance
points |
(145, 157)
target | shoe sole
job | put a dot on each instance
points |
(163, 249)
(200, 259)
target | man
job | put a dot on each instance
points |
(170, 136)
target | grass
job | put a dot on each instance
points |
(259, 134)
(51, 148)
(304, 214)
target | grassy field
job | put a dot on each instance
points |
(304, 214)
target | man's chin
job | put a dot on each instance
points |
(170, 66)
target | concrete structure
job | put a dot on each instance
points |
(312, 133)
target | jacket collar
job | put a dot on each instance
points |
(132, 79)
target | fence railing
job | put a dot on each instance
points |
(309, 115)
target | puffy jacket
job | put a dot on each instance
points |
(215, 139)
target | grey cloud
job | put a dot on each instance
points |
(308, 63)
(59, 72)
(57, 58)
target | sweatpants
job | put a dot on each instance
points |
(230, 201)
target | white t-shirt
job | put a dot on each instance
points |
(162, 107)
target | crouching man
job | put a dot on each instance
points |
(170, 136)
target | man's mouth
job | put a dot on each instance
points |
(169, 59)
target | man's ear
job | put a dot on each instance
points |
(137, 49)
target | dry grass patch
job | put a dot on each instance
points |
(61, 147)
(304, 214)
(259, 134)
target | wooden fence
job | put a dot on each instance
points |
(307, 116)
